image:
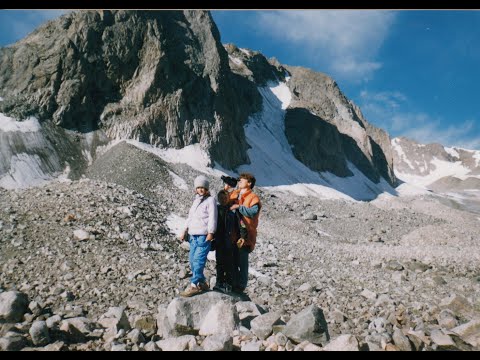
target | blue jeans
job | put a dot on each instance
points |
(240, 273)
(199, 248)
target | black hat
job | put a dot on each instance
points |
(229, 180)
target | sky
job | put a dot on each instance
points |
(413, 73)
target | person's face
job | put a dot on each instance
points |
(227, 187)
(223, 200)
(244, 184)
(201, 191)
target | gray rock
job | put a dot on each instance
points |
(310, 217)
(115, 318)
(469, 332)
(53, 321)
(151, 346)
(310, 325)
(145, 323)
(441, 340)
(306, 287)
(39, 333)
(280, 339)
(447, 319)
(418, 266)
(81, 235)
(394, 265)
(218, 342)
(136, 337)
(367, 294)
(401, 341)
(118, 347)
(82, 324)
(185, 315)
(13, 305)
(262, 325)
(248, 309)
(343, 343)
(12, 342)
(222, 318)
(180, 343)
(459, 305)
(252, 346)
(56, 346)
(35, 308)
(418, 339)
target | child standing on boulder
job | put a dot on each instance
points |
(200, 227)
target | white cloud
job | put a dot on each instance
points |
(346, 41)
(385, 109)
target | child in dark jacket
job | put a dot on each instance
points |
(228, 232)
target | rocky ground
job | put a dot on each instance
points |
(92, 265)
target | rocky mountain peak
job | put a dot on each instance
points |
(254, 65)
(161, 77)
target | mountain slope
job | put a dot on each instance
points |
(164, 78)
(425, 165)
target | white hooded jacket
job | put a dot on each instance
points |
(202, 217)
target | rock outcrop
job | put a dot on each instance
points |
(161, 77)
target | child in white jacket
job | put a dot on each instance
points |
(200, 228)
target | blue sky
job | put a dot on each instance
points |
(413, 73)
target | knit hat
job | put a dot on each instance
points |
(201, 181)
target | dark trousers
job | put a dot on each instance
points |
(225, 264)
(240, 264)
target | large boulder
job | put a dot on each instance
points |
(185, 316)
(13, 305)
(310, 325)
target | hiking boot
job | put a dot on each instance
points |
(191, 290)
(227, 289)
(204, 286)
(238, 290)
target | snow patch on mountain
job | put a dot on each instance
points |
(178, 181)
(442, 169)
(8, 124)
(26, 170)
(235, 60)
(452, 151)
(277, 169)
(476, 156)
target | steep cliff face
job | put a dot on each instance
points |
(323, 127)
(161, 77)
(357, 141)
